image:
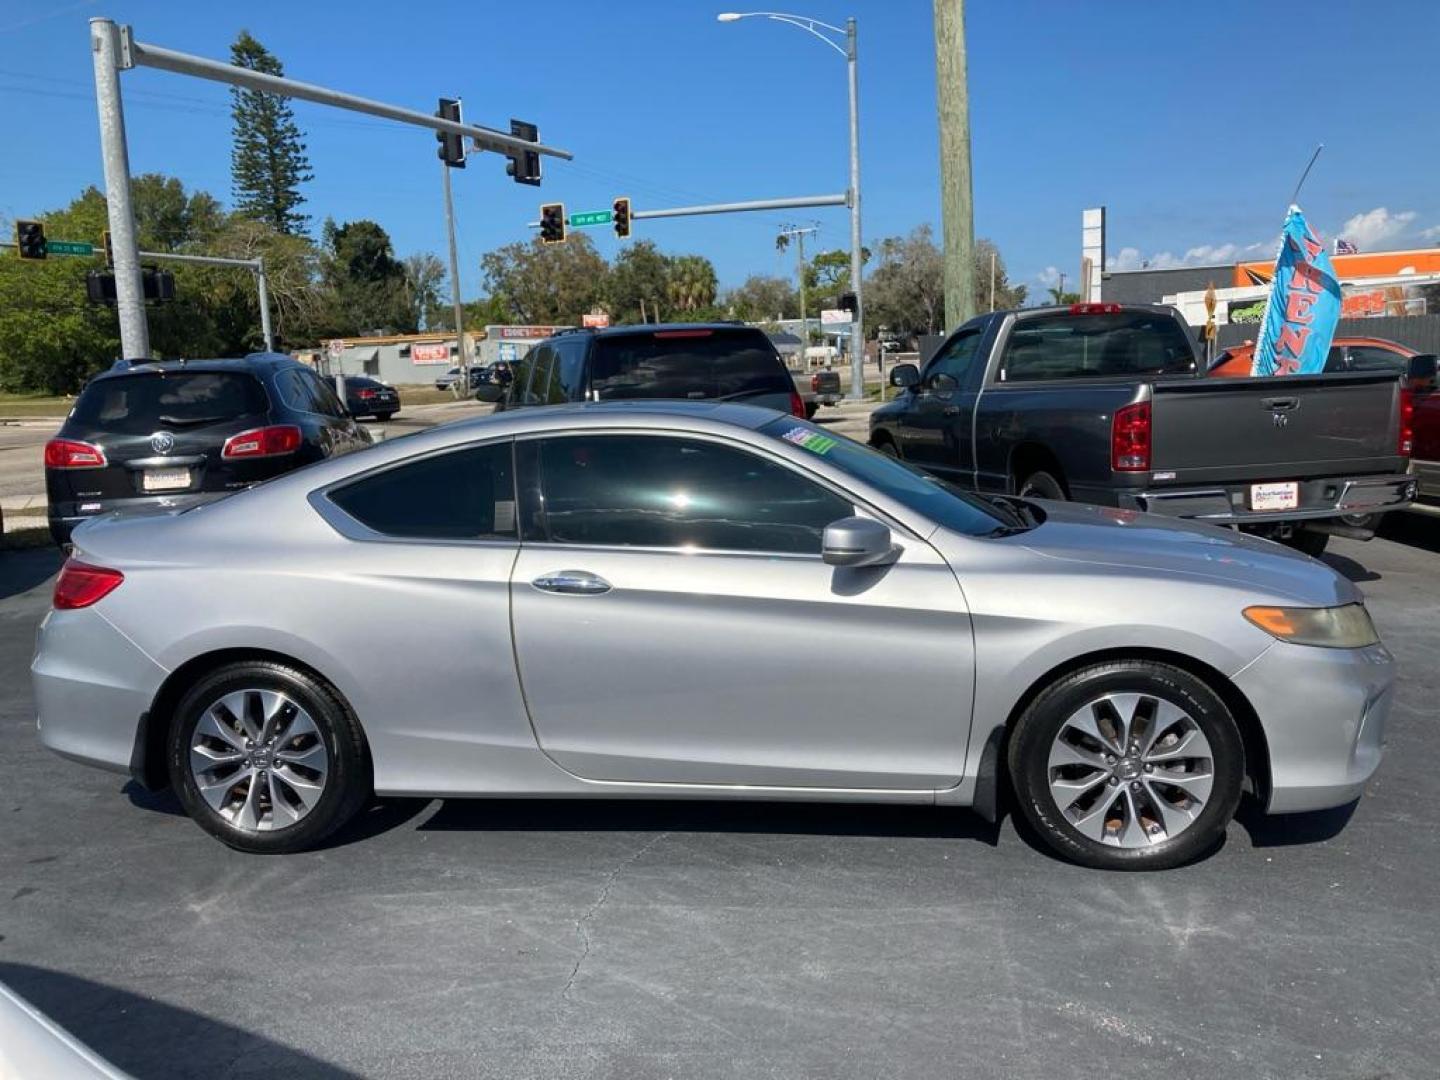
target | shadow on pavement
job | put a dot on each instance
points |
(1349, 567)
(1288, 830)
(151, 1039)
(624, 815)
(159, 802)
(21, 571)
(1414, 530)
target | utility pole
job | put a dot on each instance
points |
(857, 325)
(799, 235)
(992, 281)
(115, 155)
(464, 381)
(956, 210)
(1062, 285)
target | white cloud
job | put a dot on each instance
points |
(1432, 233)
(1049, 276)
(1128, 259)
(1212, 253)
(1373, 228)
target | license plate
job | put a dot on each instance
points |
(165, 479)
(1275, 496)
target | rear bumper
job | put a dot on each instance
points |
(64, 516)
(1326, 497)
(91, 686)
(1323, 712)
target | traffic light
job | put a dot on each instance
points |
(849, 302)
(552, 223)
(30, 239)
(620, 215)
(109, 249)
(100, 286)
(452, 146)
(158, 285)
(524, 165)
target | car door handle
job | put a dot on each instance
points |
(951, 410)
(572, 583)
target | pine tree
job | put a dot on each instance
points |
(267, 162)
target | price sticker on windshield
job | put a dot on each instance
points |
(810, 440)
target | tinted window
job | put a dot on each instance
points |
(656, 491)
(138, 404)
(568, 372)
(352, 383)
(924, 494)
(1369, 358)
(542, 358)
(523, 367)
(296, 392)
(327, 404)
(718, 363)
(463, 495)
(1064, 346)
(955, 358)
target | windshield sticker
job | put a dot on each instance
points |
(810, 440)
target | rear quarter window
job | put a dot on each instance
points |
(138, 404)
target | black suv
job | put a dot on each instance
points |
(176, 433)
(689, 361)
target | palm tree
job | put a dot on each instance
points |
(691, 283)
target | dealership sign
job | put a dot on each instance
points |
(436, 352)
(529, 333)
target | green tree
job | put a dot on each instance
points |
(429, 299)
(762, 298)
(637, 282)
(690, 285)
(905, 292)
(365, 286)
(267, 162)
(1007, 296)
(1060, 296)
(546, 283)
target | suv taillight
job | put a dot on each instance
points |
(1130, 438)
(263, 442)
(72, 454)
(797, 406)
(1406, 444)
(80, 584)
(364, 395)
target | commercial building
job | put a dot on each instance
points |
(414, 359)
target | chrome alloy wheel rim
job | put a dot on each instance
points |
(1130, 770)
(258, 759)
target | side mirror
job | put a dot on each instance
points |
(857, 541)
(904, 376)
(489, 392)
(1420, 370)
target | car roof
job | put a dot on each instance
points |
(253, 363)
(652, 328)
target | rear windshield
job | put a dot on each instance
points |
(1065, 346)
(364, 384)
(138, 404)
(687, 364)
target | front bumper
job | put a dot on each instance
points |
(1229, 504)
(1323, 712)
(91, 686)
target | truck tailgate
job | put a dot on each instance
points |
(1278, 428)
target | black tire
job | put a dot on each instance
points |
(384, 417)
(888, 448)
(811, 408)
(1038, 729)
(347, 767)
(1041, 485)
(1307, 540)
(1363, 521)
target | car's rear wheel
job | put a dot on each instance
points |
(384, 417)
(1041, 485)
(888, 448)
(266, 757)
(1128, 765)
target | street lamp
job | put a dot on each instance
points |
(815, 28)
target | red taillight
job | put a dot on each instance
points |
(70, 454)
(1095, 309)
(815, 382)
(263, 442)
(797, 407)
(1130, 438)
(80, 584)
(364, 395)
(1406, 445)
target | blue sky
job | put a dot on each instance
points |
(1189, 122)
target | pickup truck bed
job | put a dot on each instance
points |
(1107, 404)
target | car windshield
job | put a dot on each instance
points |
(955, 510)
(138, 404)
(688, 363)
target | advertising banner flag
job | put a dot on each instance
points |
(1303, 307)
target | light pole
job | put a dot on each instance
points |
(847, 50)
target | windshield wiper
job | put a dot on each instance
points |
(1020, 517)
(190, 421)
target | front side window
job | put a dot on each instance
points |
(661, 491)
(1117, 344)
(1370, 358)
(461, 495)
(955, 358)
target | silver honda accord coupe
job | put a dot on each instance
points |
(701, 600)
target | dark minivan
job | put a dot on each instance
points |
(691, 362)
(171, 434)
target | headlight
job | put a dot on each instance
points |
(1344, 627)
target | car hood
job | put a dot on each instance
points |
(1105, 536)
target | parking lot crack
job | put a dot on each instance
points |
(582, 924)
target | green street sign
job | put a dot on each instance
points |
(68, 247)
(590, 217)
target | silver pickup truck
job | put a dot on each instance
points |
(1104, 403)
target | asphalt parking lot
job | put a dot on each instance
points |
(550, 939)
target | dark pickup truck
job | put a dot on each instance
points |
(1104, 403)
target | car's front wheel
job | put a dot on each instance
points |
(267, 758)
(1128, 765)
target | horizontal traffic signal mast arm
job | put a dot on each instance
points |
(736, 207)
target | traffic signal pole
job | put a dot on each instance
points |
(463, 383)
(255, 266)
(115, 156)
